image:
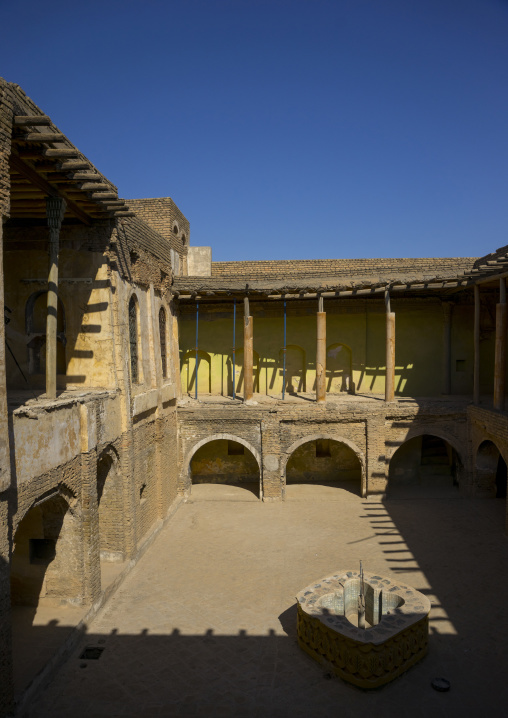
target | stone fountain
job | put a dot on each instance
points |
(365, 628)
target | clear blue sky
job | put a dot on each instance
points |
(285, 128)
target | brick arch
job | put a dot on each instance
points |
(62, 490)
(230, 437)
(339, 439)
(430, 431)
(503, 452)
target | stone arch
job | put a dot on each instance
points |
(45, 562)
(326, 437)
(491, 470)
(431, 431)
(425, 462)
(217, 437)
(188, 372)
(110, 505)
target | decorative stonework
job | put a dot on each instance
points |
(396, 633)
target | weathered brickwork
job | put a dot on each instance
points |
(342, 267)
(274, 433)
(162, 214)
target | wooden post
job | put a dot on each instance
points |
(248, 351)
(55, 210)
(476, 366)
(447, 347)
(390, 350)
(500, 353)
(321, 354)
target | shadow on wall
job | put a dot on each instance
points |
(188, 372)
(423, 466)
(491, 472)
(45, 561)
(239, 372)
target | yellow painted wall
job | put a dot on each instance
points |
(355, 339)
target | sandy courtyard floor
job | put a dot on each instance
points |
(205, 624)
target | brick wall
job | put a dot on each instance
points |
(162, 214)
(343, 267)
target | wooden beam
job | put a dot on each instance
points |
(104, 195)
(73, 165)
(94, 186)
(64, 152)
(44, 186)
(44, 137)
(91, 176)
(124, 214)
(34, 154)
(31, 120)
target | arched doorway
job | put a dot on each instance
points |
(425, 466)
(325, 461)
(491, 473)
(110, 505)
(45, 561)
(225, 461)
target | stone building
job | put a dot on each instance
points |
(132, 366)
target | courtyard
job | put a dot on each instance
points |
(205, 623)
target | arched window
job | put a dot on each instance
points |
(162, 334)
(133, 339)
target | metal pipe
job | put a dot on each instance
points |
(476, 365)
(197, 356)
(284, 357)
(234, 348)
(321, 353)
(390, 350)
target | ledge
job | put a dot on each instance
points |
(145, 401)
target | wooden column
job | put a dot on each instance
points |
(500, 355)
(476, 366)
(55, 210)
(321, 354)
(248, 352)
(447, 347)
(390, 350)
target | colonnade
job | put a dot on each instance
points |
(248, 351)
(500, 347)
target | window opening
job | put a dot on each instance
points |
(133, 339)
(162, 333)
(322, 448)
(235, 449)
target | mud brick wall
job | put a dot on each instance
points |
(162, 214)
(145, 475)
(342, 267)
(72, 483)
(168, 466)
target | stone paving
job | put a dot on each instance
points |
(204, 625)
